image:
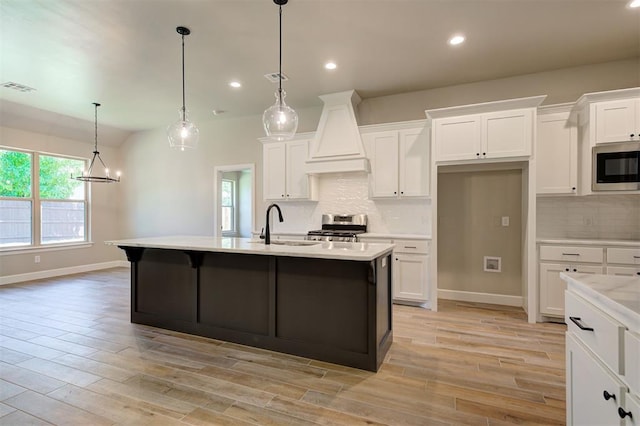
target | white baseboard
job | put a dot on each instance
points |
(470, 296)
(30, 276)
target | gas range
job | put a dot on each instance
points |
(340, 227)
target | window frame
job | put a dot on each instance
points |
(36, 205)
(233, 207)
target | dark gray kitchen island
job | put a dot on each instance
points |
(327, 301)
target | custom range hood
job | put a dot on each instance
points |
(337, 146)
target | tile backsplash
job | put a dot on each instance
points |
(349, 193)
(615, 217)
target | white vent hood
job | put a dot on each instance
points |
(337, 146)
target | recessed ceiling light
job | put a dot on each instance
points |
(330, 65)
(456, 40)
(235, 84)
(633, 4)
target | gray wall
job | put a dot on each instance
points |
(470, 208)
(106, 209)
(564, 85)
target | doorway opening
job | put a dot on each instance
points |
(234, 200)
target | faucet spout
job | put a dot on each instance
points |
(267, 231)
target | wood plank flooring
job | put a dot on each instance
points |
(70, 356)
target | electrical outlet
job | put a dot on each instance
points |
(36, 259)
(505, 220)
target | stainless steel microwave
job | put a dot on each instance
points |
(616, 167)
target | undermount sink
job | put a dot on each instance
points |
(290, 243)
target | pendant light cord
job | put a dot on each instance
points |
(280, 59)
(184, 112)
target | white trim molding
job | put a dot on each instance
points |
(470, 296)
(30, 276)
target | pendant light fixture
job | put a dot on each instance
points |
(88, 175)
(183, 133)
(280, 120)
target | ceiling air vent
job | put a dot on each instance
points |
(273, 77)
(17, 86)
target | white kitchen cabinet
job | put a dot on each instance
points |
(617, 121)
(493, 135)
(457, 138)
(399, 162)
(284, 173)
(552, 287)
(411, 272)
(556, 259)
(556, 154)
(589, 384)
(623, 261)
(602, 358)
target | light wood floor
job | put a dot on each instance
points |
(70, 356)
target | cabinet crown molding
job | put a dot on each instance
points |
(509, 104)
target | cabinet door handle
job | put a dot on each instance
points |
(607, 396)
(624, 414)
(636, 257)
(571, 254)
(411, 247)
(578, 321)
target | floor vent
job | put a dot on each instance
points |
(17, 86)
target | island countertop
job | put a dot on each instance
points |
(310, 249)
(619, 296)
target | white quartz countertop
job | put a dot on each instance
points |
(618, 296)
(316, 249)
(394, 236)
(572, 241)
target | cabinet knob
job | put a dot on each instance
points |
(607, 396)
(477, 154)
(573, 188)
(566, 269)
(632, 135)
(484, 154)
(282, 195)
(401, 192)
(396, 258)
(575, 270)
(624, 414)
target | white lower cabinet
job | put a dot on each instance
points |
(593, 392)
(552, 287)
(411, 272)
(556, 259)
(602, 362)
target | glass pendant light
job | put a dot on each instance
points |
(280, 120)
(90, 175)
(183, 133)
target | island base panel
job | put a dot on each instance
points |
(331, 310)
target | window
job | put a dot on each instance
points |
(228, 207)
(39, 202)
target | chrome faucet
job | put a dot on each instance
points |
(267, 233)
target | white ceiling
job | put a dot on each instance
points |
(125, 54)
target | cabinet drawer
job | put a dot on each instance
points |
(632, 362)
(572, 254)
(601, 333)
(627, 256)
(411, 246)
